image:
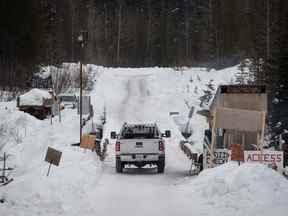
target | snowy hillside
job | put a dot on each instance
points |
(141, 95)
(83, 185)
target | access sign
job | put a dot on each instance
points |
(270, 158)
(267, 157)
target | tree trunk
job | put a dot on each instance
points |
(148, 39)
(119, 32)
(186, 31)
(268, 31)
(163, 34)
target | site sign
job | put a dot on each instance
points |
(221, 156)
(53, 156)
(270, 158)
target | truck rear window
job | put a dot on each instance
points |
(139, 132)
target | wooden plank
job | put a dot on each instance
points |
(257, 102)
(239, 119)
(247, 89)
(88, 141)
(213, 137)
(262, 133)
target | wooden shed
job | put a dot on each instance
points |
(238, 116)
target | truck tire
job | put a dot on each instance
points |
(161, 165)
(119, 165)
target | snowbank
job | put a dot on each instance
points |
(64, 192)
(34, 97)
(14, 125)
(25, 140)
(249, 189)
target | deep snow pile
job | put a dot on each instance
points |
(25, 139)
(34, 97)
(14, 126)
(249, 189)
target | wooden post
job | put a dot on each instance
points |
(263, 130)
(229, 140)
(49, 169)
(4, 165)
(213, 136)
(51, 113)
(257, 141)
(80, 101)
(243, 140)
(262, 134)
(59, 108)
(82, 39)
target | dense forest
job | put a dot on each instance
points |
(137, 33)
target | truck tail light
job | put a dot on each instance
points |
(161, 145)
(117, 146)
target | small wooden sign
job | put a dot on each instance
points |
(237, 152)
(53, 156)
(88, 141)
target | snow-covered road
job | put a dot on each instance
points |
(139, 191)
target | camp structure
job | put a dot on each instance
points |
(237, 115)
(37, 102)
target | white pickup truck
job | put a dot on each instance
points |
(140, 144)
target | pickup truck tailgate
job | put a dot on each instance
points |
(138, 146)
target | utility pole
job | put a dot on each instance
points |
(82, 39)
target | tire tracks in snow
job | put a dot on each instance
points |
(134, 102)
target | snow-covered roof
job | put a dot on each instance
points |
(45, 72)
(34, 97)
